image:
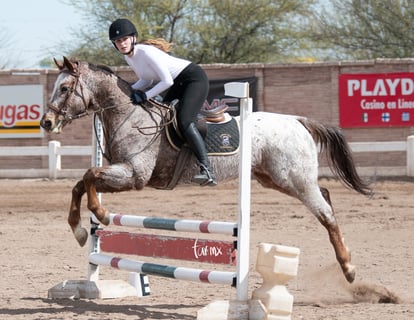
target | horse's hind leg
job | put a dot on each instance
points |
(327, 219)
(317, 200)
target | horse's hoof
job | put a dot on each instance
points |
(103, 216)
(81, 235)
(105, 220)
(350, 273)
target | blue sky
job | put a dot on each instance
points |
(36, 28)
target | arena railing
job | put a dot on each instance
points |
(54, 151)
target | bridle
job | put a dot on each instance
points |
(62, 113)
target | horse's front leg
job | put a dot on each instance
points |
(342, 253)
(114, 178)
(91, 178)
(74, 218)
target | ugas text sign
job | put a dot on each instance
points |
(21, 107)
(376, 100)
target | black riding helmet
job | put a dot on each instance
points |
(122, 28)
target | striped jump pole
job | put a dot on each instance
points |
(180, 273)
(182, 225)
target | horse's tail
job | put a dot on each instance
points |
(332, 142)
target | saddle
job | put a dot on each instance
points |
(215, 115)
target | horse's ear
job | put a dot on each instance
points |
(60, 66)
(70, 65)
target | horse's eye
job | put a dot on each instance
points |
(64, 89)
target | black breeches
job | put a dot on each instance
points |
(190, 88)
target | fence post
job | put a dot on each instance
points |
(410, 156)
(54, 159)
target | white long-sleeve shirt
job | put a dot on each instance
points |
(154, 66)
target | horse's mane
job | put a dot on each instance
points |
(94, 67)
(104, 69)
(100, 67)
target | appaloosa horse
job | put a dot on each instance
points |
(284, 152)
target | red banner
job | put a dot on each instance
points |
(376, 100)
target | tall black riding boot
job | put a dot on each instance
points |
(196, 143)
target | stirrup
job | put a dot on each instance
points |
(205, 178)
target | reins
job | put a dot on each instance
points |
(153, 107)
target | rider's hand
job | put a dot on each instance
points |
(138, 97)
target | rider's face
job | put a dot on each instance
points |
(124, 44)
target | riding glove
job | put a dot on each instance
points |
(138, 97)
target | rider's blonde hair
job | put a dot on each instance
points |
(160, 43)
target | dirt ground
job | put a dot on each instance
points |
(38, 251)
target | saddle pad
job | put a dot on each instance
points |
(221, 138)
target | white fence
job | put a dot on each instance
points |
(381, 147)
(55, 151)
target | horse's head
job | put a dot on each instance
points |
(70, 99)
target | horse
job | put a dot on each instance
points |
(285, 150)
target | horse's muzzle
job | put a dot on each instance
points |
(51, 123)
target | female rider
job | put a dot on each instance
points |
(159, 70)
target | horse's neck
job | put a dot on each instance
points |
(123, 122)
(111, 97)
(131, 122)
(107, 91)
